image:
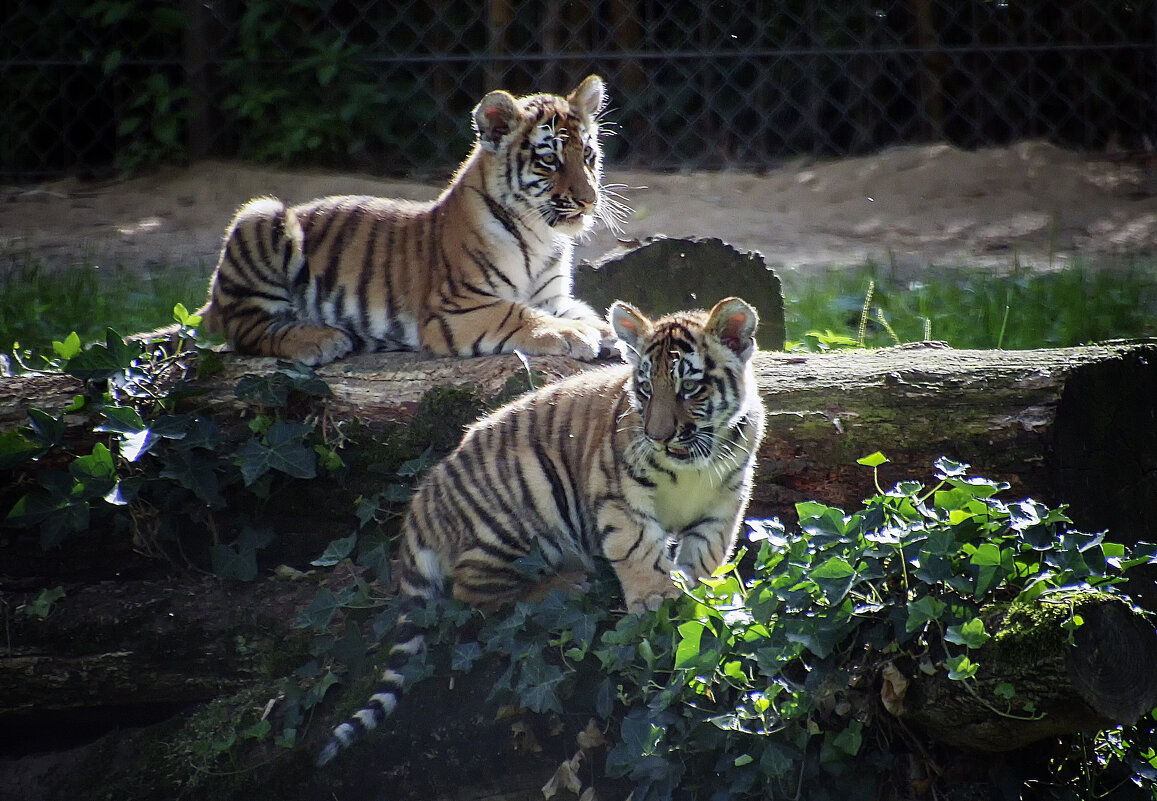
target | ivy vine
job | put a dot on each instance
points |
(761, 682)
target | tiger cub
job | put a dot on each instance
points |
(485, 268)
(647, 464)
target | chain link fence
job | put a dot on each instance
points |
(113, 85)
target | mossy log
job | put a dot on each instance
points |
(1038, 677)
(1064, 425)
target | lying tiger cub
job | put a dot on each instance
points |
(485, 268)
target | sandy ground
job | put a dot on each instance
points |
(1030, 203)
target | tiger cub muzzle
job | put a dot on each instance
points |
(669, 426)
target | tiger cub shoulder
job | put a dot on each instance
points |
(485, 268)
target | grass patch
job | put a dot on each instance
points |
(38, 305)
(965, 308)
(975, 309)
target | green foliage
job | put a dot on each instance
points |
(302, 89)
(152, 117)
(760, 682)
(151, 463)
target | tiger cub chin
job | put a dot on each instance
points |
(485, 268)
(648, 465)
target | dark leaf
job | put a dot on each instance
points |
(195, 472)
(233, 563)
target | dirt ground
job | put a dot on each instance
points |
(1031, 203)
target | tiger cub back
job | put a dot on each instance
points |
(485, 268)
(648, 465)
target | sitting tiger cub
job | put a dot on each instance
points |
(485, 268)
(648, 464)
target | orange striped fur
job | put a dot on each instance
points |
(485, 268)
(648, 465)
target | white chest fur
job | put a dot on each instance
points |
(691, 496)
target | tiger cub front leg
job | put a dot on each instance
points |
(639, 551)
(703, 547)
(505, 326)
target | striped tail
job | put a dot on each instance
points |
(409, 639)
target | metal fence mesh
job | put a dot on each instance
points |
(117, 84)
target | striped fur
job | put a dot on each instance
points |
(648, 465)
(485, 268)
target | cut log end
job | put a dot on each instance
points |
(1112, 662)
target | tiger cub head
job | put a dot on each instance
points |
(693, 380)
(545, 149)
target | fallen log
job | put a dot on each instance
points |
(1063, 425)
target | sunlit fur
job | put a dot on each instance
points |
(485, 268)
(648, 465)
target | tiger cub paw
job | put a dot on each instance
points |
(579, 340)
(648, 600)
(315, 345)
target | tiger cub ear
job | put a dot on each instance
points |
(495, 117)
(733, 322)
(631, 327)
(588, 97)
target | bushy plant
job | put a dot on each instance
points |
(763, 682)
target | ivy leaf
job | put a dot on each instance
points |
(304, 379)
(1005, 690)
(961, 667)
(263, 390)
(255, 460)
(464, 655)
(687, 653)
(834, 577)
(604, 698)
(350, 650)
(194, 472)
(923, 611)
(538, 686)
(415, 467)
(136, 439)
(69, 348)
(104, 361)
(872, 460)
(16, 448)
(377, 559)
(93, 475)
(121, 420)
(639, 736)
(336, 551)
(46, 429)
(287, 453)
(318, 691)
(41, 606)
(231, 562)
(850, 739)
(946, 468)
(820, 636)
(320, 613)
(970, 634)
(184, 317)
